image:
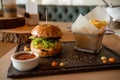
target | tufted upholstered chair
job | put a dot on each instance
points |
(61, 13)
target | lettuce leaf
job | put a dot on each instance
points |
(43, 43)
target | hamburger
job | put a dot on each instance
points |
(45, 40)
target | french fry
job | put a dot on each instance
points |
(98, 24)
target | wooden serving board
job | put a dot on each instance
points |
(75, 61)
(11, 22)
(16, 35)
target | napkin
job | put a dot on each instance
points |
(82, 25)
(98, 13)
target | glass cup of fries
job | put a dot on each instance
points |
(88, 42)
(91, 43)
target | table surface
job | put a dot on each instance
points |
(111, 41)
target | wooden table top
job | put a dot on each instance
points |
(111, 41)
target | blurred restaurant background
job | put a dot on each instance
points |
(63, 10)
(68, 10)
(71, 2)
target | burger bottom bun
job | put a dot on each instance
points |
(47, 53)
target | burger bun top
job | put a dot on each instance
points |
(46, 31)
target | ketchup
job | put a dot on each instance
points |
(25, 56)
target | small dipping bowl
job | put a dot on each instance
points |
(25, 60)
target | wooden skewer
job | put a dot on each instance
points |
(46, 15)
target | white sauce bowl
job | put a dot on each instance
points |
(24, 65)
